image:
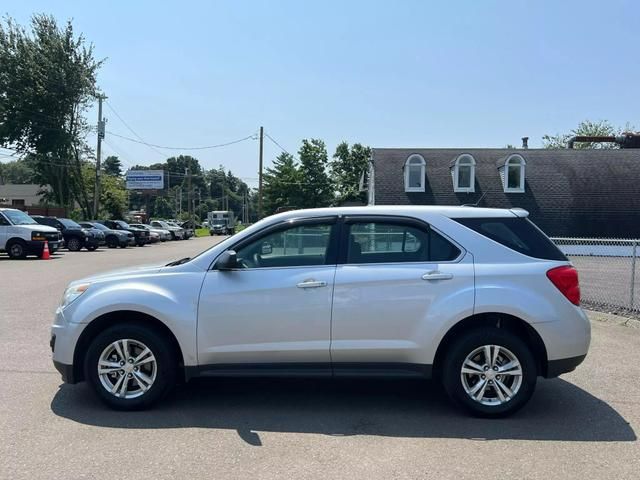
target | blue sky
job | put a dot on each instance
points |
(405, 73)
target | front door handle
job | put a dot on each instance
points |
(435, 275)
(311, 284)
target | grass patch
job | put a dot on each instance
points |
(202, 232)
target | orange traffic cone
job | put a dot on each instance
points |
(45, 251)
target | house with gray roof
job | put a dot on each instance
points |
(568, 193)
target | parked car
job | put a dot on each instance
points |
(141, 236)
(21, 235)
(189, 230)
(162, 234)
(478, 298)
(75, 237)
(113, 238)
(177, 233)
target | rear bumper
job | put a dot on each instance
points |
(563, 365)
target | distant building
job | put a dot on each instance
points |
(569, 193)
(20, 196)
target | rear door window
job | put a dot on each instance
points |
(519, 234)
(389, 242)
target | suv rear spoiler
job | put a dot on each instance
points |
(519, 212)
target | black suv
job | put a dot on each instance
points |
(75, 237)
(113, 238)
(141, 235)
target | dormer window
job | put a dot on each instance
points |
(464, 174)
(512, 174)
(414, 176)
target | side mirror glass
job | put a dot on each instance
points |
(227, 261)
(266, 249)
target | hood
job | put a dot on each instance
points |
(36, 227)
(139, 270)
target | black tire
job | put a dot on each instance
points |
(123, 246)
(161, 348)
(112, 242)
(92, 248)
(17, 249)
(464, 346)
(74, 244)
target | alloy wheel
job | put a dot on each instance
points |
(491, 375)
(127, 368)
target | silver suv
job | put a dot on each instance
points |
(479, 298)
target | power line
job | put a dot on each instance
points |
(248, 137)
(133, 131)
(279, 146)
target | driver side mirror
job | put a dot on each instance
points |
(227, 261)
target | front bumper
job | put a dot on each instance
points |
(66, 371)
(64, 338)
(35, 247)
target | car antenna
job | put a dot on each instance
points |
(477, 203)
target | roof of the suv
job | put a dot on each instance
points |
(411, 210)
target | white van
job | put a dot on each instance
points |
(21, 235)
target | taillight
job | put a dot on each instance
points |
(565, 279)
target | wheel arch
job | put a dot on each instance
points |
(107, 320)
(513, 324)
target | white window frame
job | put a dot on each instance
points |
(456, 168)
(407, 167)
(514, 159)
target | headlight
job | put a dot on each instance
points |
(71, 293)
(38, 236)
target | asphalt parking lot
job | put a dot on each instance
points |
(583, 425)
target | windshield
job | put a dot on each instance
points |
(97, 225)
(122, 224)
(18, 217)
(162, 224)
(69, 223)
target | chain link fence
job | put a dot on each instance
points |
(609, 271)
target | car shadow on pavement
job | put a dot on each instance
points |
(558, 411)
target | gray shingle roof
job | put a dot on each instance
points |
(567, 192)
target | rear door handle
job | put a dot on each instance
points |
(311, 284)
(437, 276)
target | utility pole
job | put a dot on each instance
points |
(260, 175)
(189, 209)
(96, 193)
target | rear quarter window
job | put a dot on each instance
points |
(519, 234)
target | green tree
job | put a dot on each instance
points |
(347, 168)
(16, 171)
(317, 188)
(112, 166)
(47, 81)
(282, 184)
(113, 194)
(163, 207)
(586, 127)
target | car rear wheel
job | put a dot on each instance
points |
(130, 367)
(490, 372)
(74, 244)
(17, 249)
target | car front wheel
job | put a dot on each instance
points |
(74, 244)
(490, 372)
(130, 367)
